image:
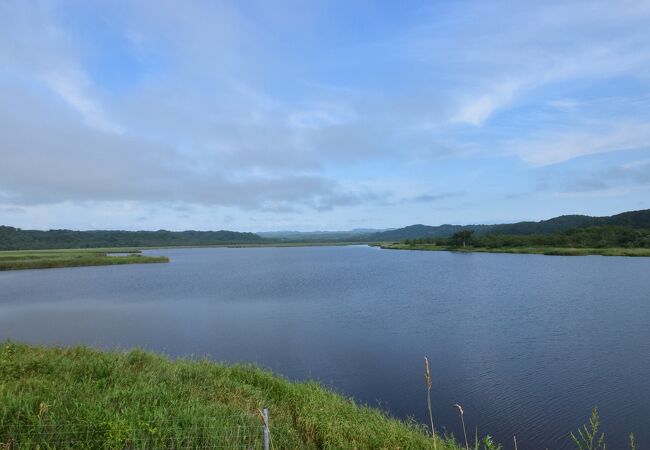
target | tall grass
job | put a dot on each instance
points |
(462, 419)
(427, 379)
(83, 398)
(587, 437)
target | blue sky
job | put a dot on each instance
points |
(308, 115)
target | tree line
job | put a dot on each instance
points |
(17, 239)
(588, 237)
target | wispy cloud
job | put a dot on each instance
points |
(72, 87)
(477, 110)
(522, 49)
(554, 148)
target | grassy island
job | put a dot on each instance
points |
(47, 259)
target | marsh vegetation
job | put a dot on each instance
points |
(605, 240)
(48, 259)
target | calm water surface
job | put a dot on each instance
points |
(526, 343)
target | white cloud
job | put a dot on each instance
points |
(477, 110)
(499, 54)
(555, 148)
(266, 109)
(73, 86)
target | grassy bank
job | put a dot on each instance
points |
(47, 259)
(557, 251)
(78, 397)
(52, 397)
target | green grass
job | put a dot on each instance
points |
(84, 398)
(47, 259)
(81, 398)
(554, 251)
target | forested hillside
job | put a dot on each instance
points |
(633, 219)
(607, 236)
(17, 239)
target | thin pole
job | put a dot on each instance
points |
(265, 413)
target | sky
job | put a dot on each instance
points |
(320, 115)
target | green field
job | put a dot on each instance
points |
(47, 259)
(554, 251)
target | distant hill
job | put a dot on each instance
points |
(419, 231)
(356, 235)
(17, 239)
(633, 219)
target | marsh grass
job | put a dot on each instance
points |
(84, 398)
(427, 380)
(462, 419)
(46, 259)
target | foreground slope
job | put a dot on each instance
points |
(78, 397)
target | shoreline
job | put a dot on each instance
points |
(548, 251)
(61, 258)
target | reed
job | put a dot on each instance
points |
(462, 419)
(427, 379)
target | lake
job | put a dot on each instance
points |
(526, 343)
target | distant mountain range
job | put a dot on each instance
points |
(18, 239)
(634, 219)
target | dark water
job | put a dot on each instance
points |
(526, 343)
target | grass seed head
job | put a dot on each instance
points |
(427, 374)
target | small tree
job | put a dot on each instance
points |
(463, 237)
